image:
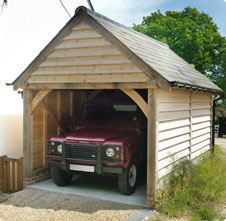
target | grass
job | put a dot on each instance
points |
(196, 190)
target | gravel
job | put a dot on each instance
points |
(35, 204)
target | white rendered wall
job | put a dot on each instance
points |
(11, 135)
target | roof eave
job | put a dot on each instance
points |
(194, 87)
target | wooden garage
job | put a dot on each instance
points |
(93, 53)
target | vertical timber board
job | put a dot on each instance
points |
(38, 137)
(59, 96)
(78, 101)
(27, 133)
(152, 150)
(71, 103)
(66, 109)
(45, 118)
(52, 102)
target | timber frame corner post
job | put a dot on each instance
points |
(150, 110)
(27, 134)
(152, 149)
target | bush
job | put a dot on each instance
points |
(196, 189)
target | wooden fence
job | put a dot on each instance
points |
(11, 174)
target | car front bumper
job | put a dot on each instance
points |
(99, 168)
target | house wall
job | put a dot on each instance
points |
(184, 127)
(11, 125)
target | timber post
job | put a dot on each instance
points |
(27, 133)
(152, 148)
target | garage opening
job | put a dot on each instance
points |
(92, 119)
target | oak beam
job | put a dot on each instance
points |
(27, 134)
(38, 98)
(72, 86)
(135, 96)
(152, 147)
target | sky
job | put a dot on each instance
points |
(26, 26)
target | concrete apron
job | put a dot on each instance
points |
(104, 188)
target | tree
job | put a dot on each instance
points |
(193, 36)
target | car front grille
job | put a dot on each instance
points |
(80, 151)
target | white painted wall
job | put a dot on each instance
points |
(11, 135)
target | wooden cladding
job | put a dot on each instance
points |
(50, 118)
(88, 78)
(184, 129)
(80, 61)
(84, 56)
(11, 174)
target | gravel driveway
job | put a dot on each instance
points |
(35, 204)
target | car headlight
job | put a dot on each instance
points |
(60, 148)
(113, 152)
(110, 152)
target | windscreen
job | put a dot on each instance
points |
(111, 112)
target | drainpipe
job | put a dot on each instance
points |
(213, 119)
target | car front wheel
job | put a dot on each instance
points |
(60, 177)
(127, 181)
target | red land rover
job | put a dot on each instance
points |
(110, 140)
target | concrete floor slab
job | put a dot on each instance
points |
(104, 188)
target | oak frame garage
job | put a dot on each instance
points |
(93, 52)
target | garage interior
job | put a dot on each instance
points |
(62, 110)
(58, 113)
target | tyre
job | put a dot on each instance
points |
(127, 181)
(61, 177)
